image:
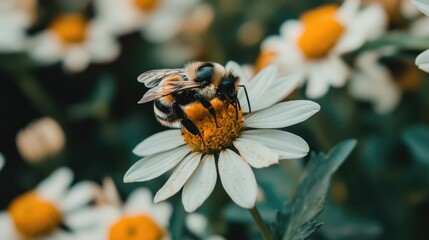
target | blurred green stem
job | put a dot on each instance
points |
(266, 234)
(321, 137)
(401, 40)
(38, 97)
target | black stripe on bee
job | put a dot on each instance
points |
(162, 107)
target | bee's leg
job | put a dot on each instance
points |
(206, 104)
(187, 123)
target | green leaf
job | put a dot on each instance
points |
(310, 197)
(417, 140)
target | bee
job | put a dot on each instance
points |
(172, 90)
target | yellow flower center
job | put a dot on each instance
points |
(71, 28)
(321, 31)
(265, 58)
(34, 217)
(146, 5)
(139, 227)
(213, 139)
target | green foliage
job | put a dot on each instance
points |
(297, 220)
(417, 140)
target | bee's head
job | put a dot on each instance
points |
(228, 87)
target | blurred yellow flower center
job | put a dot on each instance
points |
(146, 5)
(138, 227)
(321, 31)
(265, 58)
(71, 28)
(213, 139)
(34, 217)
(410, 79)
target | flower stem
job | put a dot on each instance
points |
(266, 234)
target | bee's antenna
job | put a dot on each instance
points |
(247, 97)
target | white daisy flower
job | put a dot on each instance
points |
(316, 41)
(420, 28)
(158, 20)
(374, 83)
(239, 143)
(38, 214)
(138, 218)
(15, 17)
(76, 41)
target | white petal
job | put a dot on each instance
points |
(161, 213)
(155, 30)
(261, 82)
(200, 185)
(78, 196)
(318, 82)
(155, 165)
(368, 24)
(291, 30)
(282, 87)
(422, 61)
(159, 142)
(348, 10)
(196, 223)
(101, 44)
(76, 59)
(7, 227)
(285, 144)
(54, 187)
(140, 201)
(91, 217)
(178, 177)
(255, 153)
(237, 178)
(336, 71)
(282, 114)
(46, 48)
(422, 5)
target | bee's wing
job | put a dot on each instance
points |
(154, 77)
(167, 88)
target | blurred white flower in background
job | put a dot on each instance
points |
(138, 218)
(41, 139)
(316, 41)
(75, 41)
(158, 20)
(198, 225)
(15, 17)
(230, 149)
(373, 82)
(422, 60)
(39, 213)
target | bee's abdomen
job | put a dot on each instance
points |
(164, 112)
